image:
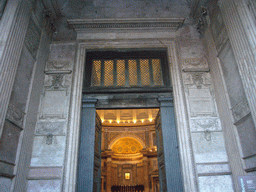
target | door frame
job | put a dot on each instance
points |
(184, 140)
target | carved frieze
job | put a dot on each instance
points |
(57, 81)
(196, 79)
(202, 124)
(194, 64)
(240, 110)
(59, 65)
(15, 115)
(55, 128)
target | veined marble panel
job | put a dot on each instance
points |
(46, 153)
(209, 147)
(215, 183)
(48, 127)
(44, 185)
(205, 123)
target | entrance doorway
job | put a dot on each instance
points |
(139, 151)
(131, 80)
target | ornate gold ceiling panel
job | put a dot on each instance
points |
(127, 146)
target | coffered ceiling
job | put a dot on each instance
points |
(127, 117)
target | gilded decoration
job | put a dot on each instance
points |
(127, 146)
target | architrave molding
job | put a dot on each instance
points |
(126, 24)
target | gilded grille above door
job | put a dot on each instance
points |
(126, 73)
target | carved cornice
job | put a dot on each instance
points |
(86, 24)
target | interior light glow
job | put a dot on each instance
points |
(110, 121)
(134, 121)
(150, 120)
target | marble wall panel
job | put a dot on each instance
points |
(48, 127)
(247, 135)
(22, 80)
(45, 173)
(54, 104)
(215, 183)
(48, 151)
(212, 168)
(209, 147)
(201, 102)
(191, 49)
(231, 75)
(5, 184)
(44, 185)
(9, 142)
(61, 57)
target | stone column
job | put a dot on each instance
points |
(145, 168)
(170, 146)
(108, 175)
(242, 34)
(86, 148)
(13, 26)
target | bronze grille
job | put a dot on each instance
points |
(127, 72)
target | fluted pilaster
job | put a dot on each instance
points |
(13, 26)
(242, 33)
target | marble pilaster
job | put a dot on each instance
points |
(239, 22)
(13, 27)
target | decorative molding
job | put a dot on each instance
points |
(144, 23)
(198, 79)
(195, 65)
(15, 115)
(240, 110)
(202, 124)
(55, 128)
